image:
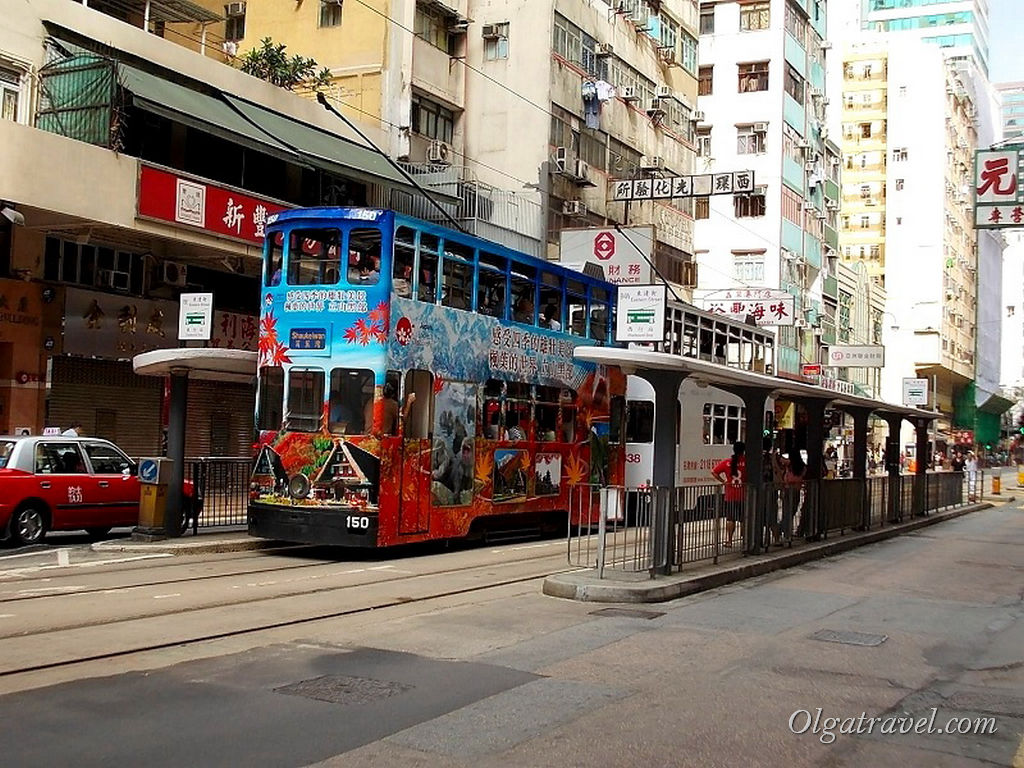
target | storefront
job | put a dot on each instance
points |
(22, 372)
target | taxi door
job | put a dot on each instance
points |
(116, 500)
(65, 483)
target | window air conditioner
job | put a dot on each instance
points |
(628, 93)
(109, 278)
(760, 127)
(800, 323)
(655, 107)
(806, 205)
(574, 208)
(562, 158)
(491, 31)
(826, 45)
(604, 49)
(174, 273)
(234, 9)
(809, 167)
(664, 92)
(581, 170)
(439, 152)
(230, 47)
(651, 163)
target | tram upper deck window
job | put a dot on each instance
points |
(457, 276)
(271, 403)
(551, 301)
(599, 314)
(313, 256)
(640, 421)
(273, 258)
(490, 291)
(305, 399)
(364, 254)
(428, 251)
(524, 294)
(404, 263)
(576, 307)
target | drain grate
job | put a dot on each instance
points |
(338, 689)
(849, 638)
(629, 613)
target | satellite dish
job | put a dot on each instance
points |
(298, 486)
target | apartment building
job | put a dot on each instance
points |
(1012, 110)
(762, 108)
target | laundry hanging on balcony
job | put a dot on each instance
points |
(594, 94)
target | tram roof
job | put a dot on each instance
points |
(715, 374)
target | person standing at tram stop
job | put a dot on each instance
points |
(732, 473)
(971, 468)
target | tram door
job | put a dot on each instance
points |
(415, 468)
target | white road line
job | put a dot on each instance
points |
(43, 590)
(27, 570)
(6, 615)
(161, 597)
(63, 557)
(542, 545)
(382, 568)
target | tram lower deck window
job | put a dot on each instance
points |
(305, 399)
(640, 421)
(351, 401)
(271, 403)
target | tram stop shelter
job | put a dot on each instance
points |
(666, 372)
(231, 365)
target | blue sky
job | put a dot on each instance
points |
(1006, 31)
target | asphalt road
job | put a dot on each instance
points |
(504, 676)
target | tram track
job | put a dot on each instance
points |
(38, 639)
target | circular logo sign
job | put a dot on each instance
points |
(604, 246)
(403, 331)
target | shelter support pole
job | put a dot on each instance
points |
(815, 409)
(664, 515)
(860, 459)
(892, 466)
(176, 452)
(755, 537)
(921, 464)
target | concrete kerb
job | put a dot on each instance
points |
(584, 585)
(198, 545)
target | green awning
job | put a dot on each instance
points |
(198, 110)
(321, 148)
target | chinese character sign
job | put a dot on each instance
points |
(856, 356)
(641, 313)
(765, 306)
(998, 189)
(739, 182)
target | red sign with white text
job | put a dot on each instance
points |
(167, 196)
(810, 369)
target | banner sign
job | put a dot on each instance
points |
(856, 356)
(810, 369)
(641, 313)
(184, 200)
(703, 185)
(915, 391)
(998, 188)
(766, 306)
(625, 254)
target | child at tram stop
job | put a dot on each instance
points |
(732, 473)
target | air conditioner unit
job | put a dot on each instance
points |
(574, 208)
(562, 158)
(664, 92)
(656, 107)
(809, 167)
(459, 26)
(822, 216)
(628, 93)
(604, 49)
(826, 45)
(234, 9)
(174, 273)
(760, 189)
(697, 116)
(581, 170)
(439, 152)
(109, 278)
(651, 163)
(760, 127)
(832, 206)
(229, 47)
(491, 31)
(806, 205)
(639, 17)
(800, 323)
(816, 93)
(668, 55)
(803, 145)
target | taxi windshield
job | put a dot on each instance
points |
(6, 449)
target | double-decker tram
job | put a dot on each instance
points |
(418, 383)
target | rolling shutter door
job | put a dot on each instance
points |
(220, 419)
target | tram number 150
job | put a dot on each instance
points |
(359, 522)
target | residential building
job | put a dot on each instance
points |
(762, 102)
(1012, 110)
(136, 169)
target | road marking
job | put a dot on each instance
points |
(382, 568)
(161, 597)
(542, 545)
(63, 557)
(6, 615)
(41, 590)
(84, 564)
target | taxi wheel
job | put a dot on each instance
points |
(97, 533)
(28, 525)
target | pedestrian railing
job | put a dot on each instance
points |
(222, 487)
(661, 529)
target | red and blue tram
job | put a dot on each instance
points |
(417, 383)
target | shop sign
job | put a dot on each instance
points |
(232, 330)
(116, 327)
(766, 306)
(835, 385)
(810, 369)
(963, 436)
(785, 414)
(185, 200)
(20, 309)
(999, 188)
(849, 356)
(703, 185)
(625, 254)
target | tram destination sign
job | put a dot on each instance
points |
(702, 185)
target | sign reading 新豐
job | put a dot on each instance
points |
(856, 356)
(641, 313)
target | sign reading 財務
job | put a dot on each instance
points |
(641, 313)
(999, 188)
(195, 318)
(856, 357)
(625, 254)
(915, 391)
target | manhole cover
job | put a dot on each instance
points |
(629, 613)
(849, 638)
(337, 689)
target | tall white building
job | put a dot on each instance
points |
(761, 98)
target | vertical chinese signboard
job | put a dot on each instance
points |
(168, 196)
(998, 188)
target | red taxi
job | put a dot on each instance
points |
(66, 483)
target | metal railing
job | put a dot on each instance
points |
(661, 529)
(222, 486)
